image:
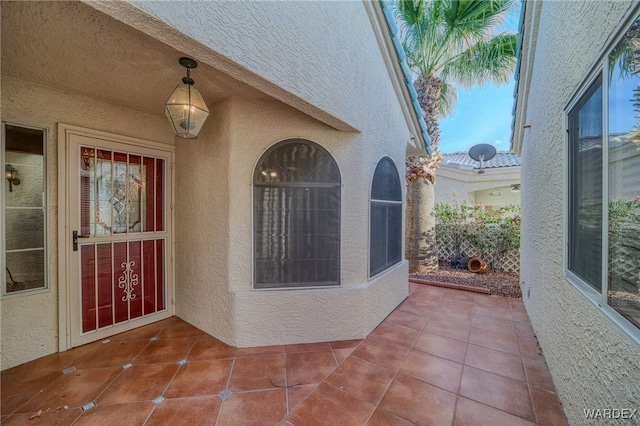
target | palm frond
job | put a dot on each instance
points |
(487, 61)
(448, 100)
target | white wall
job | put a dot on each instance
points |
(306, 54)
(327, 54)
(594, 364)
(29, 326)
(453, 183)
(214, 233)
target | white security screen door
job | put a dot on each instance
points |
(120, 239)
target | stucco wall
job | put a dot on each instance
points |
(468, 185)
(313, 51)
(214, 233)
(344, 74)
(29, 326)
(594, 364)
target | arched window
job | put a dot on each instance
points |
(385, 222)
(296, 217)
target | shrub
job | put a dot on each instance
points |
(491, 233)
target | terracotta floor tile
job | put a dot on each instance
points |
(198, 378)
(538, 374)
(547, 407)
(525, 329)
(258, 372)
(53, 417)
(54, 362)
(201, 410)
(497, 391)
(120, 414)
(427, 299)
(169, 350)
(260, 350)
(456, 305)
(297, 394)
(381, 417)
(141, 333)
(307, 347)
(434, 370)
(494, 340)
(138, 383)
(382, 352)
(176, 327)
(113, 354)
(472, 413)
(73, 390)
(307, 368)
(441, 346)
(498, 362)
(430, 290)
(417, 307)
(412, 287)
(497, 301)
(328, 405)
(254, 408)
(363, 379)
(493, 324)
(346, 344)
(342, 354)
(503, 313)
(17, 389)
(407, 319)
(419, 402)
(396, 333)
(528, 343)
(208, 348)
(520, 315)
(450, 294)
(452, 315)
(340, 382)
(448, 329)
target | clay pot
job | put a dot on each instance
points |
(477, 266)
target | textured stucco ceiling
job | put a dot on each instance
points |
(71, 46)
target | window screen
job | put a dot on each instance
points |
(385, 233)
(296, 218)
(585, 187)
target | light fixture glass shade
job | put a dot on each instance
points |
(186, 111)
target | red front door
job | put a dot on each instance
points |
(121, 238)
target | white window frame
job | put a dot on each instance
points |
(600, 68)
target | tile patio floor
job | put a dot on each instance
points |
(443, 357)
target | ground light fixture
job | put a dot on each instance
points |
(11, 174)
(185, 108)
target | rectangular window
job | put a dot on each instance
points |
(603, 204)
(24, 212)
(585, 187)
(623, 160)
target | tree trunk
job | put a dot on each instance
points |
(420, 246)
(420, 235)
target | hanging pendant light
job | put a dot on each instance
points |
(186, 108)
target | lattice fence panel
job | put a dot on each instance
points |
(510, 261)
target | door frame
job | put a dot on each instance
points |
(65, 273)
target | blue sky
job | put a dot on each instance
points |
(483, 115)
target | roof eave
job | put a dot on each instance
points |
(387, 31)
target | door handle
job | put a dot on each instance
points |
(75, 239)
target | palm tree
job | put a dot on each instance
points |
(448, 43)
